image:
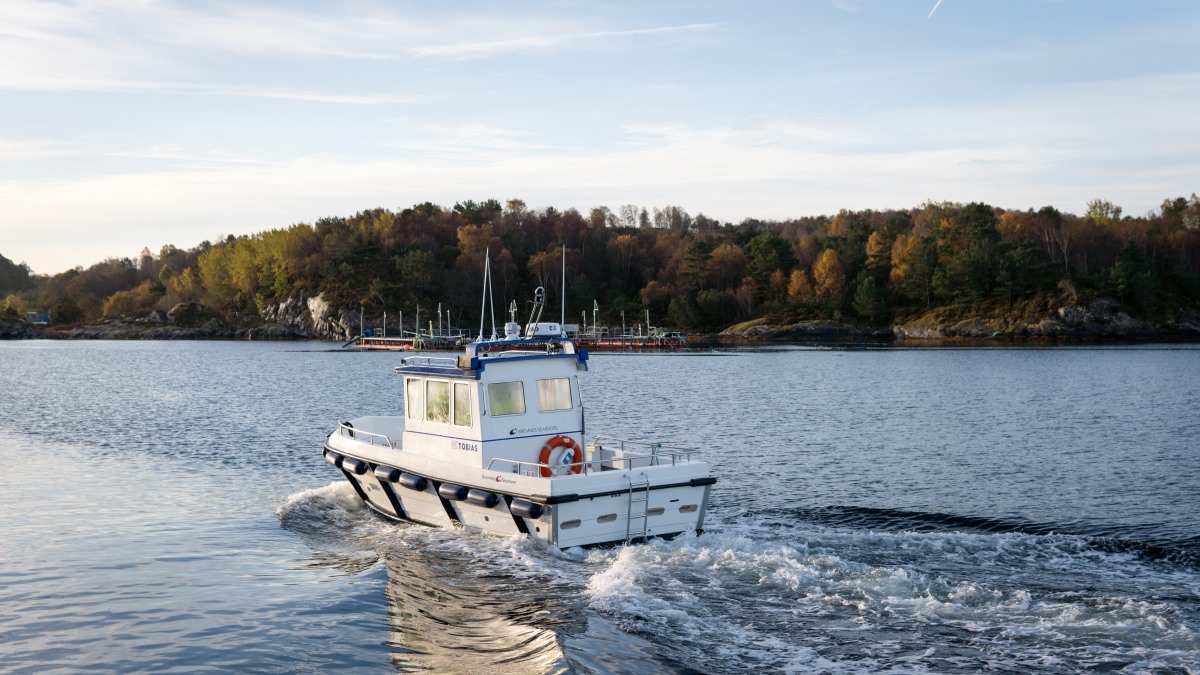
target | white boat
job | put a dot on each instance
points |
(494, 440)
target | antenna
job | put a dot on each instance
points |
(487, 280)
(562, 300)
(491, 298)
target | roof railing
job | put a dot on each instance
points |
(444, 361)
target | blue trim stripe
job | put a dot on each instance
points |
(552, 433)
(491, 440)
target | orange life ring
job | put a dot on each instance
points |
(572, 447)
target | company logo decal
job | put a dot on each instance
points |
(532, 430)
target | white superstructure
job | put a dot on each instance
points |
(493, 440)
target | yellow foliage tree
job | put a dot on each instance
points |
(777, 285)
(879, 251)
(902, 250)
(726, 266)
(133, 303)
(800, 287)
(828, 275)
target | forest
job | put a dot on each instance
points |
(866, 268)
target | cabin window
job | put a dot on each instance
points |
(506, 398)
(554, 394)
(462, 404)
(412, 395)
(437, 401)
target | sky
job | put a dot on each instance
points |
(137, 123)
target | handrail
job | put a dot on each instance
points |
(677, 455)
(652, 446)
(427, 361)
(501, 353)
(345, 429)
(519, 465)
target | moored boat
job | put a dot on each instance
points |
(667, 341)
(495, 440)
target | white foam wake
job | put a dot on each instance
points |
(734, 602)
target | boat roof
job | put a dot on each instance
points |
(483, 353)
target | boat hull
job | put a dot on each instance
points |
(597, 512)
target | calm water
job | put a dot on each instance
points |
(165, 506)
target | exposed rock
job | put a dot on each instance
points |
(15, 329)
(1102, 318)
(186, 313)
(326, 321)
(805, 330)
(313, 317)
(1187, 325)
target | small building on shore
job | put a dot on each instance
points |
(37, 319)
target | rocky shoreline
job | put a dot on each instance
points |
(314, 319)
(1099, 320)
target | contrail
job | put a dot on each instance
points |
(939, 4)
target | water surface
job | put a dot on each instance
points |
(165, 506)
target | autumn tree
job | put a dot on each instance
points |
(879, 254)
(1102, 211)
(800, 287)
(914, 263)
(777, 286)
(828, 277)
(726, 266)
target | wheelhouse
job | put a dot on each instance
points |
(502, 400)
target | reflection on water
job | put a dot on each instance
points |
(461, 602)
(447, 618)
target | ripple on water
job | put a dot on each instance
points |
(909, 511)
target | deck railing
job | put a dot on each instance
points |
(657, 454)
(345, 429)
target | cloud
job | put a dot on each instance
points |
(543, 42)
(125, 46)
(12, 150)
(1040, 150)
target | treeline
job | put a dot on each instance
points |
(865, 267)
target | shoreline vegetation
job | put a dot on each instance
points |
(941, 272)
